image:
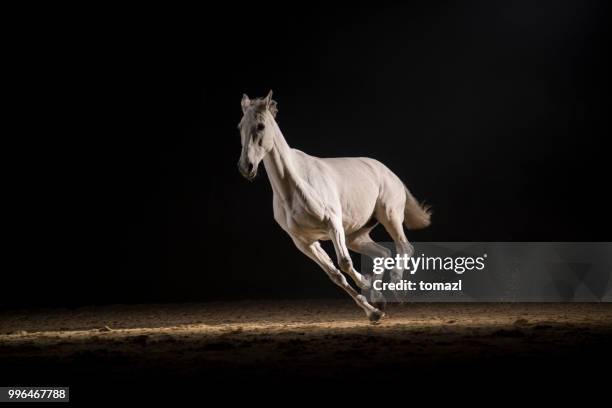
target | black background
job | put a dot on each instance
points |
(121, 173)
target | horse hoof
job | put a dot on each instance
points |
(399, 298)
(376, 316)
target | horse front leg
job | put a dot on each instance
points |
(315, 252)
(344, 258)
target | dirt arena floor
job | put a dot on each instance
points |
(288, 341)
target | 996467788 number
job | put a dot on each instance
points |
(34, 394)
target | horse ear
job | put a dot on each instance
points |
(273, 109)
(268, 98)
(245, 102)
(271, 104)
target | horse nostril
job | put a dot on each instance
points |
(251, 168)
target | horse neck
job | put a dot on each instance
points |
(280, 166)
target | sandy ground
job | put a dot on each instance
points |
(290, 340)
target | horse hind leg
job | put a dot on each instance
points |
(392, 220)
(363, 244)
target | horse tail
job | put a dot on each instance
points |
(416, 216)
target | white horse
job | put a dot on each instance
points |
(337, 199)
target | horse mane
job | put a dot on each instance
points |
(260, 105)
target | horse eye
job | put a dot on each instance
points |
(260, 127)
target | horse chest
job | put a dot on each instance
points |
(296, 220)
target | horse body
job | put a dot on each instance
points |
(337, 199)
(349, 187)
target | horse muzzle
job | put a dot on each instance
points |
(249, 171)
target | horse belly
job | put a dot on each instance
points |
(357, 184)
(358, 207)
(352, 223)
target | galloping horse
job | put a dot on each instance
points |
(337, 199)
